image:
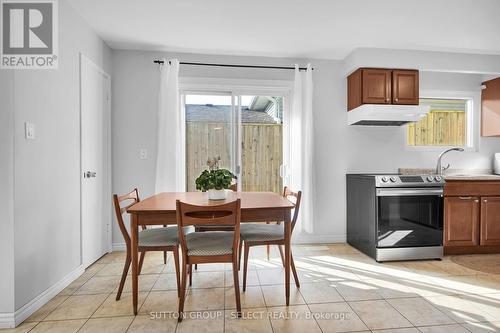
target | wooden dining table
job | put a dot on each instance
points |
(160, 209)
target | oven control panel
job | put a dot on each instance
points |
(408, 180)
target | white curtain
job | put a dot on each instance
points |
(169, 173)
(302, 145)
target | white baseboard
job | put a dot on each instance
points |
(118, 247)
(7, 320)
(31, 307)
(303, 238)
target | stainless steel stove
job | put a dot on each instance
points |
(408, 180)
(395, 217)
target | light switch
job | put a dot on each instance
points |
(143, 154)
(29, 130)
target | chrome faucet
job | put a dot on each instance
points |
(439, 168)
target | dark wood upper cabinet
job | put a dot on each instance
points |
(490, 221)
(405, 87)
(355, 90)
(382, 86)
(490, 108)
(461, 221)
(376, 86)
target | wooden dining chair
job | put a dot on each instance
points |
(154, 239)
(209, 246)
(255, 234)
(234, 188)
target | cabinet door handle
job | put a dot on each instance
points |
(477, 201)
(387, 99)
(396, 99)
(485, 200)
(465, 198)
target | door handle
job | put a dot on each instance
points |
(89, 174)
(465, 198)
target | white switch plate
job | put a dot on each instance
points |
(29, 130)
(143, 154)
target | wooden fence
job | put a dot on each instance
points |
(439, 128)
(262, 151)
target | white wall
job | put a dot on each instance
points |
(339, 148)
(135, 91)
(46, 235)
(422, 60)
(345, 149)
(7, 192)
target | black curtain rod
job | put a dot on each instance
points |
(236, 66)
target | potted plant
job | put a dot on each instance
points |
(215, 181)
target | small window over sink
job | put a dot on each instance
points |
(449, 123)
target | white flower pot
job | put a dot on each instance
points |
(216, 194)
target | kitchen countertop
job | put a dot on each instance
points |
(455, 175)
(471, 177)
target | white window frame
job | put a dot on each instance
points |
(236, 87)
(472, 116)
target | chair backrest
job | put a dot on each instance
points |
(287, 193)
(119, 210)
(228, 214)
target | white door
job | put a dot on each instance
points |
(95, 155)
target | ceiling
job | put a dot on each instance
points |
(328, 29)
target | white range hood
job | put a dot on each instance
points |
(386, 114)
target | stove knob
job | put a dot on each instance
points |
(438, 178)
(393, 179)
(429, 178)
(385, 179)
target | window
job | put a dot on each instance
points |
(447, 124)
(245, 131)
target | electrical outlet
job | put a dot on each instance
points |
(143, 154)
(29, 130)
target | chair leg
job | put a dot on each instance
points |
(281, 255)
(165, 252)
(183, 291)
(268, 248)
(124, 277)
(245, 266)
(236, 286)
(177, 273)
(295, 276)
(240, 249)
(190, 275)
(141, 261)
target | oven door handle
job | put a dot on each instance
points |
(399, 192)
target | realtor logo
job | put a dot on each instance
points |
(29, 34)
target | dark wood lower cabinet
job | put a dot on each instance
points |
(461, 221)
(490, 221)
(471, 217)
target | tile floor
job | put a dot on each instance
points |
(341, 290)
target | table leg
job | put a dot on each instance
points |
(288, 259)
(133, 248)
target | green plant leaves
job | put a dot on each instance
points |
(218, 179)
